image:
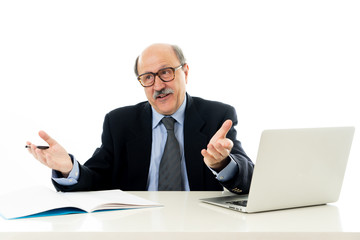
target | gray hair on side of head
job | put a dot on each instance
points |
(179, 54)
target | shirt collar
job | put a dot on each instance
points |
(179, 115)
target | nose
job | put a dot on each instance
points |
(158, 83)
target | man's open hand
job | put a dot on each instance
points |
(55, 157)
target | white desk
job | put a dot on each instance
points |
(185, 217)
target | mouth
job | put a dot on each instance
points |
(163, 94)
(163, 97)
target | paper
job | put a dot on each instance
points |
(42, 201)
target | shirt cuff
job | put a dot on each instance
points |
(228, 172)
(73, 177)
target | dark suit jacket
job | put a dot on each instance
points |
(123, 160)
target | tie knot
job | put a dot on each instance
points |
(168, 123)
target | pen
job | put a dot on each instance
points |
(39, 147)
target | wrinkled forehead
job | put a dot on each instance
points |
(157, 57)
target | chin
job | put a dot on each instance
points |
(165, 108)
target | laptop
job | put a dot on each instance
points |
(294, 168)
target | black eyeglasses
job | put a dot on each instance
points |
(165, 74)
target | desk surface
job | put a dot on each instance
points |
(189, 218)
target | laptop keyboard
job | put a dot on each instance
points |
(239, 203)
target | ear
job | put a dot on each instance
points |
(186, 71)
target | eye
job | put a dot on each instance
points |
(166, 72)
(148, 77)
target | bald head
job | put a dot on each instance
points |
(160, 48)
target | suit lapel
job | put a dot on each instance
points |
(194, 141)
(139, 150)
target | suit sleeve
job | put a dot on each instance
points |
(240, 183)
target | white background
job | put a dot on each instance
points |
(281, 64)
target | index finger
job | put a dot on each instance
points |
(221, 133)
(47, 138)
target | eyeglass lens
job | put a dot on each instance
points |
(166, 74)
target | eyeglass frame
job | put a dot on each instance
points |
(157, 74)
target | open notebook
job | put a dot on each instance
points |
(42, 201)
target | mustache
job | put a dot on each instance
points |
(162, 91)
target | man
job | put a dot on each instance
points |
(139, 151)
